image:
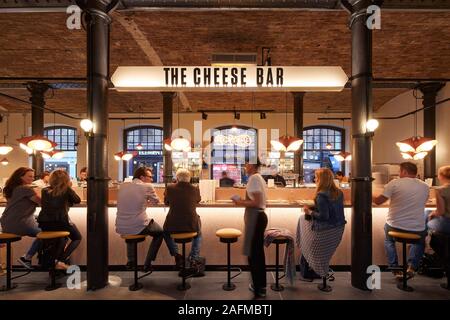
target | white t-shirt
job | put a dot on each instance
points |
(256, 183)
(132, 200)
(408, 197)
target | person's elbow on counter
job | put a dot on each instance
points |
(379, 200)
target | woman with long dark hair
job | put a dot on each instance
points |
(54, 215)
(18, 217)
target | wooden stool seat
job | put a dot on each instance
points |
(9, 237)
(404, 236)
(133, 237)
(280, 240)
(228, 233)
(183, 236)
(47, 235)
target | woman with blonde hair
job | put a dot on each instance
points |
(439, 219)
(54, 215)
(321, 235)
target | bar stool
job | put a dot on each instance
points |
(134, 239)
(49, 237)
(404, 238)
(8, 238)
(278, 240)
(229, 236)
(183, 238)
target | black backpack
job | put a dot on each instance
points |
(431, 266)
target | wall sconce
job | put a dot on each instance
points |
(262, 115)
(204, 116)
(87, 126)
(237, 115)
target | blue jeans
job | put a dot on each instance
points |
(415, 252)
(195, 248)
(439, 224)
(36, 245)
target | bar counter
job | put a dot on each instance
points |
(220, 214)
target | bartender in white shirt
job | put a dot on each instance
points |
(43, 181)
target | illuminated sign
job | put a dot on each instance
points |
(207, 78)
(241, 140)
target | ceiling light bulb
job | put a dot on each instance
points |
(86, 125)
(372, 125)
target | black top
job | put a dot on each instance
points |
(56, 209)
(226, 182)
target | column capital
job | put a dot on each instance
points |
(37, 88)
(430, 88)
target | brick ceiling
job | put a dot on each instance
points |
(409, 45)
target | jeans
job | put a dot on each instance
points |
(36, 245)
(415, 252)
(153, 229)
(74, 236)
(439, 224)
(195, 248)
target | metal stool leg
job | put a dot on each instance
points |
(9, 285)
(324, 286)
(136, 286)
(183, 286)
(404, 284)
(277, 286)
(53, 285)
(228, 286)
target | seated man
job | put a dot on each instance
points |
(182, 199)
(408, 196)
(132, 201)
(43, 181)
(340, 176)
(225, 181)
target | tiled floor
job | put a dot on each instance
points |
(162, 285)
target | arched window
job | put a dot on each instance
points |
(66, 139)
(151, 154)
(232, 147)
(315, 153)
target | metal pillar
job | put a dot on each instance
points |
(361, 242)
(430, 91)
(37, 90)
(298, 133)
(97, 22)
(167, 133)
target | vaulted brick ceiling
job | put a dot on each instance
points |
(409, 45)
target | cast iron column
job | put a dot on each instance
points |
(97, 22)
(430, 91)
(298, 133)
(37, 90)
(361, 220)
(167, 133)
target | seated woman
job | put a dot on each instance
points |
(322, 227)
(439, 220)
(182, 199)
(18, 217)
(54, 215)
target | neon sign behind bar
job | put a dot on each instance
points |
(233, 78)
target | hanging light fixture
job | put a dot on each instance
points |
(54, 154)
(416, 147)
(179, 143)
(139, 146)
(343, 156)
(124, 155)
(4, 161)
(286, 142)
